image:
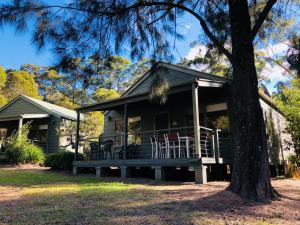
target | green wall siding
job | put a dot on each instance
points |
(53, 134)
(173, 78)
(20, 107)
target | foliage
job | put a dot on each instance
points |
(293, 55)
(159, 89)
(102, 94)
(288, 100)
(3, 77)
(222, 123)
(20, 82)
(61, 160)
(20, 149)
(293, 167)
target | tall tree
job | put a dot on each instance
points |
(3, 76)
(20, 82)
(288, 93)
(108, 27)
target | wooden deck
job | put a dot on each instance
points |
(148, 162)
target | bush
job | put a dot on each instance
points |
(20, 149)
(61, 160)
(293, 169)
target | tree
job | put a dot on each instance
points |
(293, 54)
(20, 82)
(288, 93)
(102, 94)
(3, 77)
(106, 28)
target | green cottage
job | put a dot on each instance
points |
(46, 121)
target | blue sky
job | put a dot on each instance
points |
(17, 49)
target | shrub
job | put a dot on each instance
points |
(61, 160)
(293, 170)
(20, 149)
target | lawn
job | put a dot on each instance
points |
(39, 196)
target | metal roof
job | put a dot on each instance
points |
(52, 109)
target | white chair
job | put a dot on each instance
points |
(154, 147)
(174, 143)
(163, 146)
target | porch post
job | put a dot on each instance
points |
(77, 136)
(196, 119)
(125, 130)
(20, 125)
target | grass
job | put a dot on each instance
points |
(46, 197)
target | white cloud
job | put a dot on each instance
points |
(187, 27)
(196, 50)
(274, 72)
(277, 49)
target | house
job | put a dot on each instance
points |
(189, 131)
(47, 120)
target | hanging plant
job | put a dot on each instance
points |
(159, 90)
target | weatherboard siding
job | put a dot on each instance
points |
(20, 107)
(172, 77)
(53, 134)
(280, 125)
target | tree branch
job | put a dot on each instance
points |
(262, 17)
(203, 24)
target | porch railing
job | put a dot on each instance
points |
(156, 144)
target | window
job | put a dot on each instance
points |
(3, 133)
(134, 128)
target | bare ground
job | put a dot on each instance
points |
(144, 202)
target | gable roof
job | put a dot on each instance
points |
(55, 110)
(191, 74)
(197, 76)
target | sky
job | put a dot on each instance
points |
(17, 49)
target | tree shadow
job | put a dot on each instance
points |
(142, 206)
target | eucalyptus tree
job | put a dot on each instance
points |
(144, 27)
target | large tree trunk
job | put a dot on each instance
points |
(250, 177)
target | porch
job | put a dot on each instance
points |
(38, 132)
(181, 133)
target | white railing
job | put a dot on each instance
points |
(171, 143)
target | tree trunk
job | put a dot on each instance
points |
(250, 177)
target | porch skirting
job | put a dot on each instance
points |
(158, 165)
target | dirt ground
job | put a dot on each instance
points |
(140, 202)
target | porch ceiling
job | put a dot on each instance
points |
(24, 116)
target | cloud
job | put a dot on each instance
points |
(195, 51)
(274, 72)
(276, 50)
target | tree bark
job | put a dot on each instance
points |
(250, 177)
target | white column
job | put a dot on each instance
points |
(196, 119)
(20, 125)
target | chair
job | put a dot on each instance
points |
(107, 148)
(154, 147)
(163, 146)
(94, 151)
(174, 143)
